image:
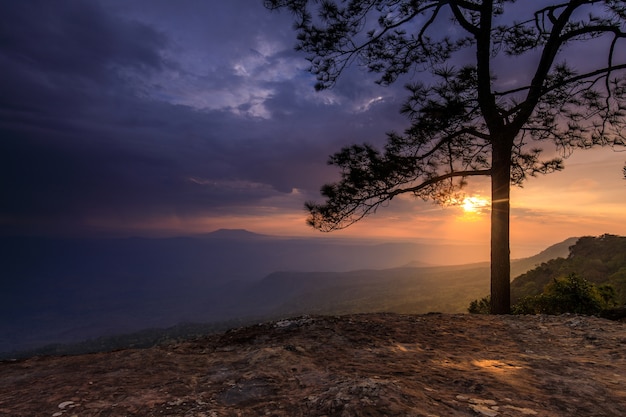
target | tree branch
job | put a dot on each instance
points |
(437, 179)
(602, 72)
(465, 131)
(548, 55)
(461, 18)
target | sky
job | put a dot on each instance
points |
(161, 118)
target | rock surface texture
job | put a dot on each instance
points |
(355, 365)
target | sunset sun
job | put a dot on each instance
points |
(474, 204)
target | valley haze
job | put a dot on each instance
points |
(62, 290)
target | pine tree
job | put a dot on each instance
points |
(465, 122)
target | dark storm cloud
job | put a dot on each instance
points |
(142, 110)
(62, 83)
(73, 42)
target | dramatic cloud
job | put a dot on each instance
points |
(154, 114)
(136, 110)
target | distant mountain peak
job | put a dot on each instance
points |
(235, 234)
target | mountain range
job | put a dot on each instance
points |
(68, 290)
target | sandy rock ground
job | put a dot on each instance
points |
(355, 365)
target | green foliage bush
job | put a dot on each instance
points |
(481, 306)
(573, 294)
(601, 260)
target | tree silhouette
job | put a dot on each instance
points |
(473, 117)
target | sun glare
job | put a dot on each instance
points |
(474, 204)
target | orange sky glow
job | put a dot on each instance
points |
(587, 198)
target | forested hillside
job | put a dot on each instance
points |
(600, 260)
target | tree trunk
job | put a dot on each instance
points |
(500, 219)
